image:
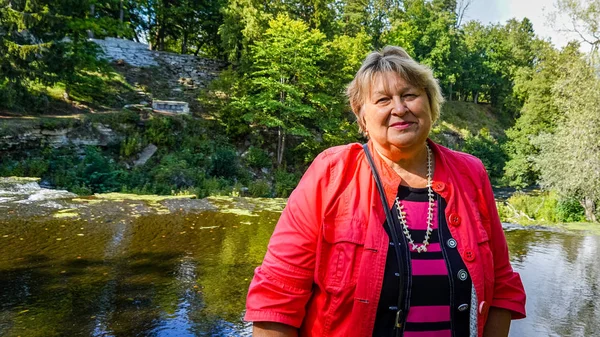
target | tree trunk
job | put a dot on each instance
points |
(121, 14)
(589, 205)
(184, 43)
(280, 145)
(476, 97)
(450, 92)
(92, 14)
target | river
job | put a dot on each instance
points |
(114, 266)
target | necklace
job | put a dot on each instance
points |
(402, 214)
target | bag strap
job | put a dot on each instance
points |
(393, 234)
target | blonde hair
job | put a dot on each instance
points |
(392, 59)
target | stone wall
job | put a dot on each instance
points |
(95, 134)
(191, 70)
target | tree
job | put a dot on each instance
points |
(539, 114)
(584, 20)
(427, 30)
(287, 81)
(569, 158)
(45, 42)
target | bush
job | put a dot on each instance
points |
(99, 173)
(490, 151)
(570, 210)
(257, 158)
(131, 145)
(537, 207)
(259, 189)
(285, 183)
(224, 163)
(160, 131)
(213, 186)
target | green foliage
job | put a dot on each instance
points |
(131, 145)
(43, 43)
(569, 157)
(541, 207)
(570, 210)
(259, 188)
(539, 114)
(224, 163)
(98, 173)
(286, 80)
(285, 182)
(489, 150)
(161, 131)
(258, 158)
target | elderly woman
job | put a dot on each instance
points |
(397, 237)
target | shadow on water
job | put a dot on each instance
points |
(174, 275)
(187, 274)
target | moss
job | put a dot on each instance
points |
(138, 197)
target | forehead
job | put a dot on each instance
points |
(388, 82)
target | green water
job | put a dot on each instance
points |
(157, 275)
(186, 274)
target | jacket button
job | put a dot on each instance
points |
(469, 255)
(454, 219)
(438, 186)
(484, 307)
(463, 307)
(451, 243)
(463, 275)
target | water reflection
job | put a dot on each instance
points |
(174, 275)
(561, 276)
(187, 275)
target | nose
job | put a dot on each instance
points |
(399, 106)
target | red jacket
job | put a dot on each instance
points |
(324, 266)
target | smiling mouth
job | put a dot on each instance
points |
(401, 125)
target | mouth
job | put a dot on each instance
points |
(401, 125)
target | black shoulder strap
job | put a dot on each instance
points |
(393, 233)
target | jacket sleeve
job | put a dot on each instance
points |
(508, 290)
(282, 285)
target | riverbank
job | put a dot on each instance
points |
(24, 198)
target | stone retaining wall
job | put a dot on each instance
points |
(191, 70)
(94, 134)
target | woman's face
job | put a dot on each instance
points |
(397, 115)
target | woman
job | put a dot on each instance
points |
(432, 261)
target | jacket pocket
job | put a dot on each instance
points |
(487, 262)
(340, 253)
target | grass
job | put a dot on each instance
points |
(468, 117)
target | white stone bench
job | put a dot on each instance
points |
(175, 107)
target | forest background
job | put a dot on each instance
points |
(529, 110)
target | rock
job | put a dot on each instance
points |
(145, 155)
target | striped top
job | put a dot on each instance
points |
(433, 293)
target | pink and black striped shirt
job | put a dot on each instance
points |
(437, 281)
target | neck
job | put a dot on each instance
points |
(410, 165)
(406, 159)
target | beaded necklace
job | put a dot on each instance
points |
(402, 214)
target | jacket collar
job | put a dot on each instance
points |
(391, 180)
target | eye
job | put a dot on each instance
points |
(410, 96)
(382, 100)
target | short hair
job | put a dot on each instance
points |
(392, 59)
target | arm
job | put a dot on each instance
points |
(509, 293)
(282, 285)
(498, 323)
(272, 329)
